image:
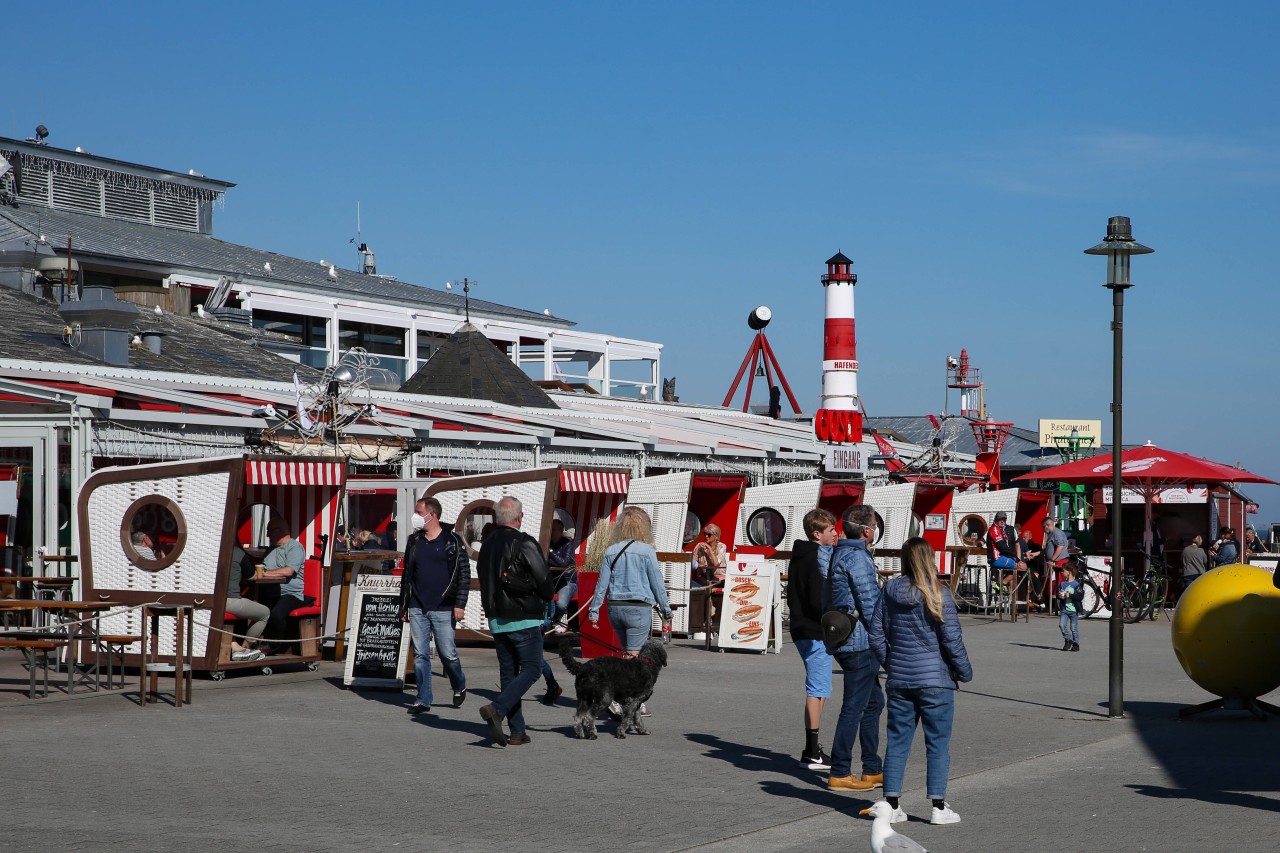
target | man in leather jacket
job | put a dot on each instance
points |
(515, 587)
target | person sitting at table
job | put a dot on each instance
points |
(1001, 552)
(1030, 553)
(710, 558)
(240, 571)
(560, 556)
(285, 560)
(143, 545)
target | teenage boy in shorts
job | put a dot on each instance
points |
(805, 577)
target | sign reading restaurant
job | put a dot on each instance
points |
(1051, 428)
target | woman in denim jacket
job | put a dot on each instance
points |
(915, 634)
(631, 575)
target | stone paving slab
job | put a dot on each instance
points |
(294, 762)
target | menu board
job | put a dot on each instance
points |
(747, 609)
(377, 641)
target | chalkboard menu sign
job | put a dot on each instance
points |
(378, 642)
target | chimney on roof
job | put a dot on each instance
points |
(104, 323)
(368, 265)
(152, 339)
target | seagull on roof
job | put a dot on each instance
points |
(883, 838)
(333, 273)
(267, 267)
(200, 312)
(159, 311)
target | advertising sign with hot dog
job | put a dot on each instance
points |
(746, 611)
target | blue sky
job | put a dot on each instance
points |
(657, 170)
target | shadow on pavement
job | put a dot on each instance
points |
(810, 786)
(1076, 710)
(1217, 757)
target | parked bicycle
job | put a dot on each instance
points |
(1147, 596)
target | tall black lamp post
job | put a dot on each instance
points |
(1118, 246)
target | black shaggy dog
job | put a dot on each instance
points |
(627, 681)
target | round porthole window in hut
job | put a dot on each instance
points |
(153, 532)
(692, 527)
(476, 521)
(766, 527)
(972, 530)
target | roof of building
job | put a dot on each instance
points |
(1021, 451)
(469, 366)
(33, 333)
(94, 236)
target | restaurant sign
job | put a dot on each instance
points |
(1165, 496)
(746, 615)
(378, 642)
(1051, 428)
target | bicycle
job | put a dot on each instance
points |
(1146, 596)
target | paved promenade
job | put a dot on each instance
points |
(293, 762)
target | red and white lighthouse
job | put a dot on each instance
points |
(840, 418)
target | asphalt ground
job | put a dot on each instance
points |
(294, 761)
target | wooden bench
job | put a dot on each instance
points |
(112, 647)
(36, 649)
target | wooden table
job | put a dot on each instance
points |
(152, 665)
(59, 560)
(74, 633)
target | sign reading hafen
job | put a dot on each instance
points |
(1061, 427)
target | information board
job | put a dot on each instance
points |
(377, 642)
(747, 609)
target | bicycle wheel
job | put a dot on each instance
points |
(1099, 601)
(1133, 601)
(1159, 598)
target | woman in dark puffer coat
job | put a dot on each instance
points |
(915, 634)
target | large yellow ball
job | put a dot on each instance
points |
(1226, 632)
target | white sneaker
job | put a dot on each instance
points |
(615, 710)
(944, 815)
(644, 712)
(899, 816)
(240, 655)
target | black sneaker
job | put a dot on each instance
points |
(821, 761)
(416, 708)
(1075, 647)
(552, 694)
(490, 716)
(459, 696)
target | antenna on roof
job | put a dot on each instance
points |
(368, 264)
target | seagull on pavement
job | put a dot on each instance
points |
(883, 838)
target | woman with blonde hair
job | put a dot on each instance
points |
(915, 634)
(633, 580)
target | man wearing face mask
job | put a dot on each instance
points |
(433, 596)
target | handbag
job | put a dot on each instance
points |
(836, 624)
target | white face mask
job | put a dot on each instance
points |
(417, 522)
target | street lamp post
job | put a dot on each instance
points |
(1118, 246)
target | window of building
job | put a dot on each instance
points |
(308, 331)
(428, 343)
(373, 338)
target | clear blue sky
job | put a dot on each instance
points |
(657, 170)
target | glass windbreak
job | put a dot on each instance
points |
(308, 331)
(373, 338)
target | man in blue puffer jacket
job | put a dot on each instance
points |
(854, 589)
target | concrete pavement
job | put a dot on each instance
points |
(294, 762)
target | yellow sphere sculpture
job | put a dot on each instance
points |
(1226, 632)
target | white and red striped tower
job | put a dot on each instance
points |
(840, 418)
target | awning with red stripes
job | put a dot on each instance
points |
(289, 472)
(594, 481)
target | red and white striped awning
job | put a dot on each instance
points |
(289, 472)
(594, 481)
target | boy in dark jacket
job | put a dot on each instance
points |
(805, 577)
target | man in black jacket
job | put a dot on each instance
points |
(515, 587)
(805, 577)
(433, 596)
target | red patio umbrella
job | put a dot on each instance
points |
(1147, 470)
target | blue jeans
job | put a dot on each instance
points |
(519, 666)
(859, 714)
(632, 624)
(423, 625)
(1069, 623)
(934, 708)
